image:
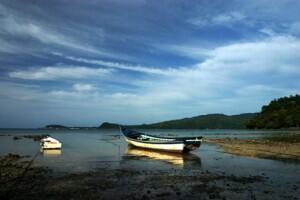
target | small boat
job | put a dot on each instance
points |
(50, 143)
(172, 144)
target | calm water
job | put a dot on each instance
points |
(85, 150)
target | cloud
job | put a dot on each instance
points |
(17, 26)
(23, 92)
(192, 51)
(226, 70)
(294, 28)
(59, 72)
(21, 28)
(268, 32)
(273, 54)
(83, 87)
(224, 19)
(228, 18)
(122, 66)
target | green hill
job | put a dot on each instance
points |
(280, 113)
(55, 126)
(211, 121)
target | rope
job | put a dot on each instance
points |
(14, 186)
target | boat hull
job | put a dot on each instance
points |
(177, 147)
(51, 146)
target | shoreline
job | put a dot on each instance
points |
(39, 183)
(281, 147)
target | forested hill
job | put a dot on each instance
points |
(211, 121)
(280, 113)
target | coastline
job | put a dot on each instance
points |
(286, 147)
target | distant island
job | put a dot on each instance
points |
(210, 121)
(58, 126)
(280, 113)
(55, 126)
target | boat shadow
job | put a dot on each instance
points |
(181, 160)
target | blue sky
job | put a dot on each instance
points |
(85, 62)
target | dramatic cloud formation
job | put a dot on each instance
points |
(162, 61)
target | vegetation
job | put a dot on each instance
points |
(211, 121)
(280, 113)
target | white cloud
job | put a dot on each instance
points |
(83, 87)
(18, 26)
(228, 18)
(137, 68)
(21, 28)
(268, 31)
(226, 69)
(59, 72)
(224, 19)
(274, 54)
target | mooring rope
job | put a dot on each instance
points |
(19, 178)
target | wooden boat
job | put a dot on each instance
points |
(172, 144)
(50, 143)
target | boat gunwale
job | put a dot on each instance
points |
(157, 141)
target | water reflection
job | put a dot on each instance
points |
(176, 159)
(51, 152)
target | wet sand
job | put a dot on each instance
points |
(20, 180)
(283, 147)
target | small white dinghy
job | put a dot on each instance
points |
(50, 143)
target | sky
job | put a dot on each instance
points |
(81, 63)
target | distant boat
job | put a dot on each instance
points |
(50, 143)
(172, 144)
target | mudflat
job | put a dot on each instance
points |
(19, 180)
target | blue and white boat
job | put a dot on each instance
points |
(172, 144)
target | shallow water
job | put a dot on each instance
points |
(85, 150)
